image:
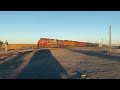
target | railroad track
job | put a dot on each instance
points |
(9, 54)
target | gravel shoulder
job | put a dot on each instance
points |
(62, 63)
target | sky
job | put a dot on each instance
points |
(87, 26)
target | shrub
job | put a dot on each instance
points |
(1, 43)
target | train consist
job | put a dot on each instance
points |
(46, 42)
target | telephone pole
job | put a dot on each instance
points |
(102, 42)
(110, 38)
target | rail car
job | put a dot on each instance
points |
(92, 45)
(82, 44)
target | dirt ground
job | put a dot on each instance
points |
(62, 63)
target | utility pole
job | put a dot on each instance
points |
(110, 38)
(102, 42)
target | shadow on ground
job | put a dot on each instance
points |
(11, 64)
(43, 65)
(98, 54)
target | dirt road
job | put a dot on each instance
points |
(61, 63)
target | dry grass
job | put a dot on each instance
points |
(20, 46)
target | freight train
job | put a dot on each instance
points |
(47, 42)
